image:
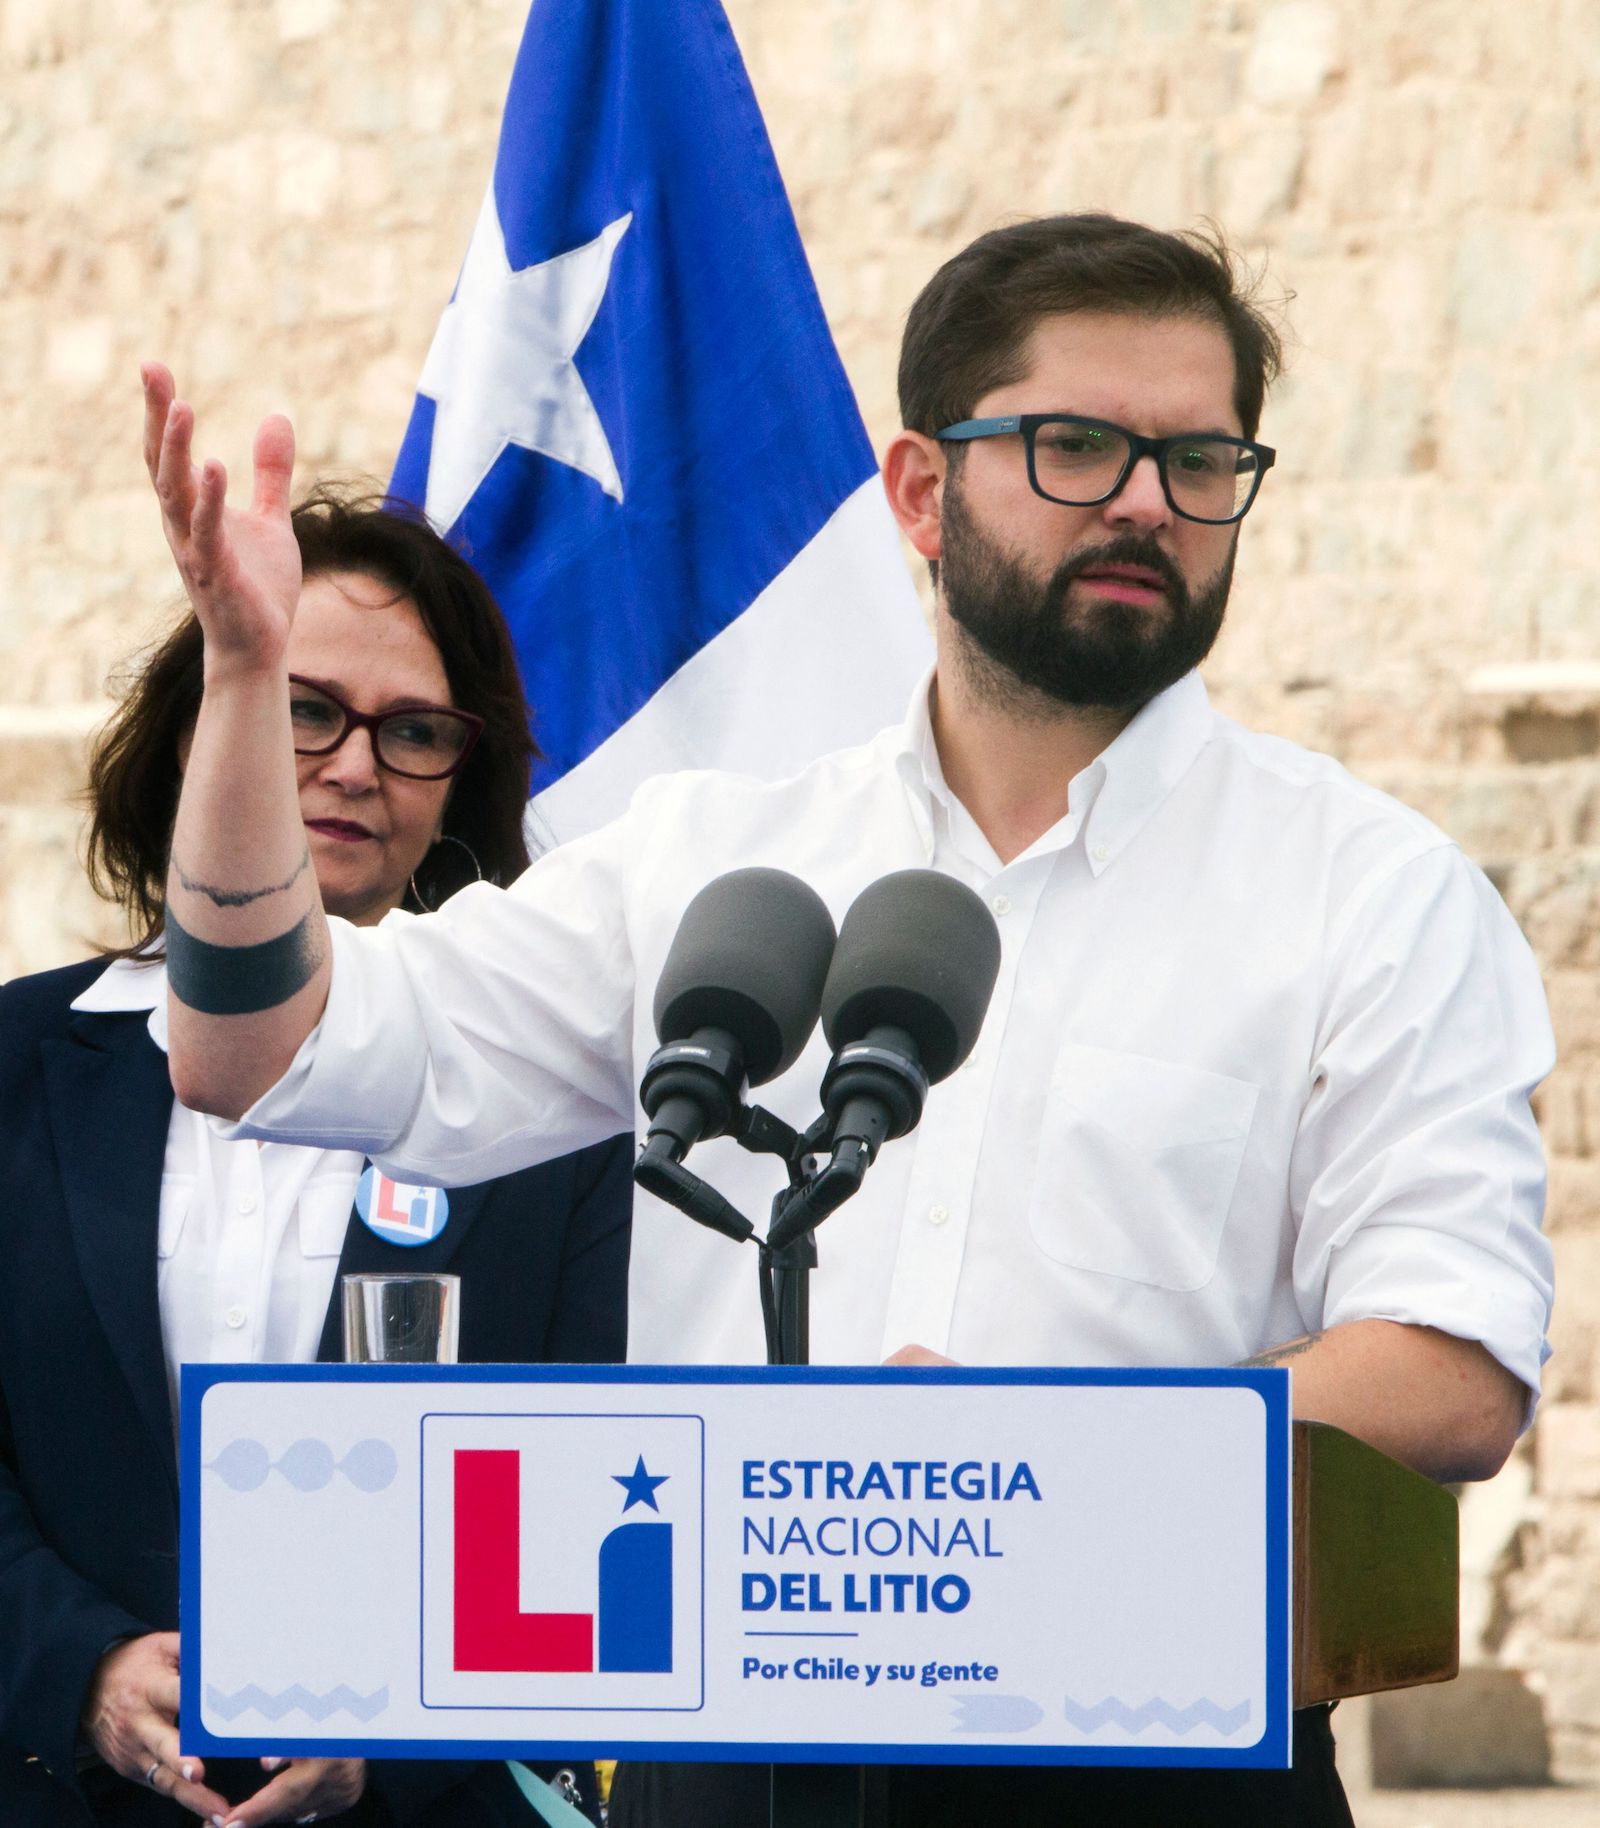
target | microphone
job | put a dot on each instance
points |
(905, 997)
(904, 1000)
(736, 1002)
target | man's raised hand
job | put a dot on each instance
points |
(240, 566)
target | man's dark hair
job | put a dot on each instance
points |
(133, 770)
(968, 331)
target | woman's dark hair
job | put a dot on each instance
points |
(133, 770)
(968, 331)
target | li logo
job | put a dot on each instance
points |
(563, 1560)
(400, 1212)
(633, 1575)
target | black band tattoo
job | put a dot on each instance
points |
(1279, 1355)
(241, 980)
(241, 898)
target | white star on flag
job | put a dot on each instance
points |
(500, 369)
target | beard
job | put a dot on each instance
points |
(1027, 640)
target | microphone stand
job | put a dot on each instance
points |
(802, 1795)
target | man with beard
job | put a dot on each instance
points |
(1254, 1080)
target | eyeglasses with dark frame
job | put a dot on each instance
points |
(421, 742)
(1083, 462)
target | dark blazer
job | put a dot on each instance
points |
(88, 1472)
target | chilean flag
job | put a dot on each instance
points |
(634, 420)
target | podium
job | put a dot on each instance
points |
(830, 1571)
(1375, 1584)
(1376, 1571)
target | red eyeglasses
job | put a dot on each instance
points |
(422, 742)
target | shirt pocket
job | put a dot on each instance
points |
(324, 1216)
(1137, 1164)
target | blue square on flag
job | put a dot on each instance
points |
(635, 421)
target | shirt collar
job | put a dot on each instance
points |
(1143, 766)
(127, 985)
(1117, 793)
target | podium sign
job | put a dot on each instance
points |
(813, 1564)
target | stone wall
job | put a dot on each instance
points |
(274, 196)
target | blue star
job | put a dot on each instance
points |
(640, 1486)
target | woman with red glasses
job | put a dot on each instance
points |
(137, 1239)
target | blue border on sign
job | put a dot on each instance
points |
(1270, 1752)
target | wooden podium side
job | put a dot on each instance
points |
(1376, 1571)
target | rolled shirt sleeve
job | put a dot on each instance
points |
(1417, 1179)
(475, 1041)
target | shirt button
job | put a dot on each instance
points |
(235, 1317)
(247, 1203)
(1000, 903)
(938, 1215)
(1101, 853)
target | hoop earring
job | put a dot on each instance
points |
(446, 838)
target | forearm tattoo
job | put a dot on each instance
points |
(1280, 1355)
(241, 898)
(242, 980)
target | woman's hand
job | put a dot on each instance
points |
(241, 567)
(307, 1790)
(130, 1717)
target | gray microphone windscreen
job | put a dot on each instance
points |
(920, 951)
(750, 956)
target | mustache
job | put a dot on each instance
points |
(1125, 549)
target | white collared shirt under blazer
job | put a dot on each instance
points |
(1258, 1060)
(248, 1238)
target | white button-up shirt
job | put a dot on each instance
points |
(248, 1238)
(1257, 1061)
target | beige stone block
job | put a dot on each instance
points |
(305, 173)
(1557, 904)
(230, 174)
(1575, 1015)
(1560, 1107)
(1532, 51)
(1406, 305)
(1569, 1609)
(297, 20)
(359, 281)
(1571, 1374)
(1261, 178)
(1165, 19)
(48, 914)
(38, 32)
(24, 170)
(1568, 1453)
(1572, 1677)
(1486, 1728)
(1573, 1203)
(1492, 288)
(43, 752)
(1555, 154)
(1510, 813)
(1365, 159)
(80, 163)
(1295, 51)
(1575, 1757)
(1567, 615)
(78, 353)
(1203, 84)
(429, 100)
(1434, 39)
